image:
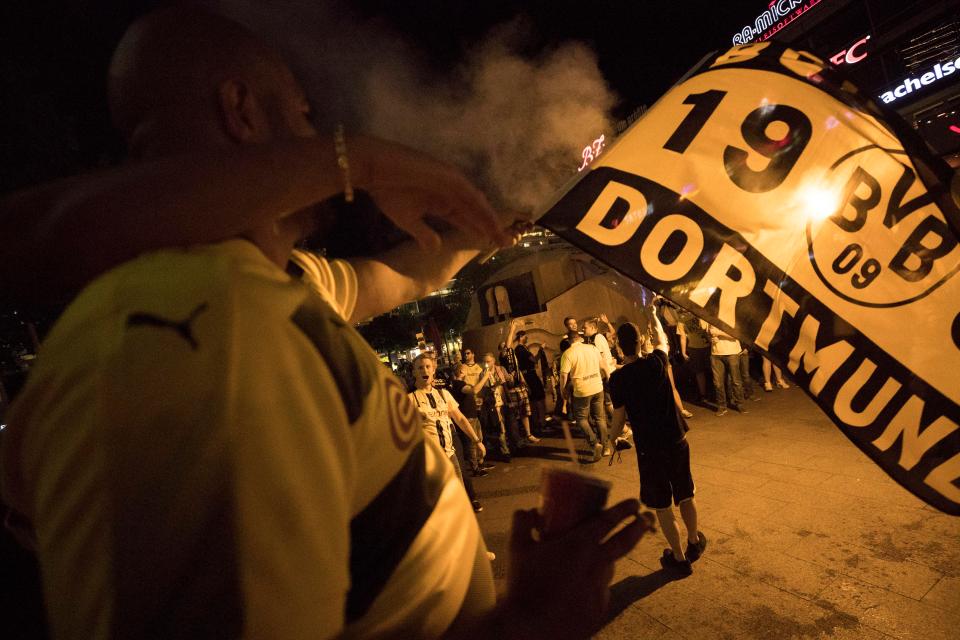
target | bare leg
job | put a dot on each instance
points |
(676, 394)
(688, 511)
(668, 524)
(779, 376)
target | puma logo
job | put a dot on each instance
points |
(182, 328)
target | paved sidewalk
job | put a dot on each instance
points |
(807, 537)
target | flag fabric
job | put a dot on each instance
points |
(768, 195)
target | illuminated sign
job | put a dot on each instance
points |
(852, 54)
(910, 85)
(778, 15)
(592, 151)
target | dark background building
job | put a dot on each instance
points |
(904, 52)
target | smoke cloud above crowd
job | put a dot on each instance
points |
(515, 123)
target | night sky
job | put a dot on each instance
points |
(53, 57)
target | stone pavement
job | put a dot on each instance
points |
(807, 537)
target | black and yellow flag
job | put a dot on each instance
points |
(770, 197)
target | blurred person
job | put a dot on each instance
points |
(641, 394)
(493, 411)
(468, 372)
(658, 340)
(725, 361)
(592, 335)
(207, 412)
(527, 365)
(560, 409)
(570, 324)
(582, 365)
(749, 392)
(778, 374)
(463, 393)
(439, 411)
(695, 348)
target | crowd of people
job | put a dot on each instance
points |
(206, 446)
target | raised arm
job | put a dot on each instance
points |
(409, 271)
(515, 324)
(60, 235)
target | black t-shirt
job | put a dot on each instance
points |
(525, 360)
(644, 389)
(467, 401)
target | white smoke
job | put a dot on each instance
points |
(516, 124)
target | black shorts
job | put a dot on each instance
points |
(665, 476)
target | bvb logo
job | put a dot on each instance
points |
(401, 414)
(887, 244)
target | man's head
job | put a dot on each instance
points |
(570, 323)
(590, 327)
(424, 369)
(573, 336)
(628, 337)
(469, 357)
(522, 337)
(489, 361)
(185, 80)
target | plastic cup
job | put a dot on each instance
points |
(567, 498)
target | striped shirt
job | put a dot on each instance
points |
(206, 448)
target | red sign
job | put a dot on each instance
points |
(852, 54)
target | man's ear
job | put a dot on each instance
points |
(242, 115)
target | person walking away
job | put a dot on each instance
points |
(582, 365)
(641, 394)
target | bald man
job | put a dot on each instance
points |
(207, 448)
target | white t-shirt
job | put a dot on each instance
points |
(721, 346)
(471, 373)
(434, 407)
(582, 363)
(205, 447)
(600, 342)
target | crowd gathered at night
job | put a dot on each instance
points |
(206, 443)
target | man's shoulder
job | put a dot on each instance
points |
(200, 298)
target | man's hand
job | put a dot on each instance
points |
(408, 186)
(559, 587)
(482, 449)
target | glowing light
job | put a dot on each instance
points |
(688, 190)
(819, 203)
(592, 151)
